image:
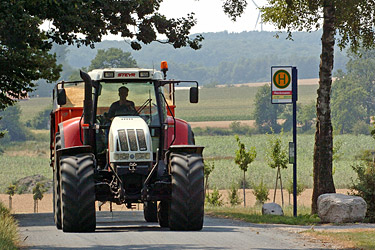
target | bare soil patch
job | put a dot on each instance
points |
(24, 203)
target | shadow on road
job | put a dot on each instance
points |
(118, 221)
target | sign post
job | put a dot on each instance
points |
(284, 91)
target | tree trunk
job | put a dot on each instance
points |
(323, 180)
(243, 184)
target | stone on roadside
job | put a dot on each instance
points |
(341, 208)
(272, 208)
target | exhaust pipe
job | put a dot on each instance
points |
(87, 107)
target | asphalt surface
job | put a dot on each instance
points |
(128, 230)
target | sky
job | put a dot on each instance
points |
(210, 16)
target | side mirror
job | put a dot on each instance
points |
(194, 95)
(61, 97)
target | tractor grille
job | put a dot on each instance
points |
(133, 139)
(123, 140)
(141, 140)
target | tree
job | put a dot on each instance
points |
(41, 120)
(113, 58)
(354, 22)
(243, 159)
(38, 192)
(306, 116)
(265, 112)
(24, 56)
(277, 158)
(208, 168)
(10, 122)
(357, 86)
(11, 190)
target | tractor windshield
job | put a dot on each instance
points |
(124, 98)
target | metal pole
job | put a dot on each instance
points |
(294, 82)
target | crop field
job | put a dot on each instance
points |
(216, 104)
(30, 108)
(227, 104)
(22, 160)
(221, 151)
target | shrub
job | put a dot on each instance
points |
(365, 186)
(234, 198)
(214, 198)
(361, 127)
(261, 192)
(8, 230)
(300, 188)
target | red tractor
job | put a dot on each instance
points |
(134, 151)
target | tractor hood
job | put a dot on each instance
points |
(129, 140)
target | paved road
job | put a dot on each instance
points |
(128, 230)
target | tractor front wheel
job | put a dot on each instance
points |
(77, 193)
(163, 213)
(56, 185)
(150, 211)
(187, 199)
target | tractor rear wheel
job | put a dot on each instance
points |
(78, 193)
(187, 199)
(150, 211)
(56, 186)
(163, 213)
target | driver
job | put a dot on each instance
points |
(123, 106)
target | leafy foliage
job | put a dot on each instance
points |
(10, 122)
(41, 121)
(234, 198)
(261, 192)
(11, 190)
(214, 198)
(208, 168)
(113, 58)
(300, 188)
(24, 51)
(277, 155)
(364, 187)
(243, 159)
(265, 112)
(357, 86)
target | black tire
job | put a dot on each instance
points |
(56, 186)
(77, 193)
(187, 199)
(150, 211)
(163, 213)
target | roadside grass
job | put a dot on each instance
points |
(221, 150)
(363, 239)
(254, 215)
(8, 230)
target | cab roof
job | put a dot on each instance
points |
(125, 74)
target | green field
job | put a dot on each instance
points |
(24, 159)
(221, 150)
(227, 104)
(215, 104)
(30, 108)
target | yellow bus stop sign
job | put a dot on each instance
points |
(281, 84)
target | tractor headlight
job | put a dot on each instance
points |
(142, 156)
(121, 156)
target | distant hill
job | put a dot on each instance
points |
(225, 58)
